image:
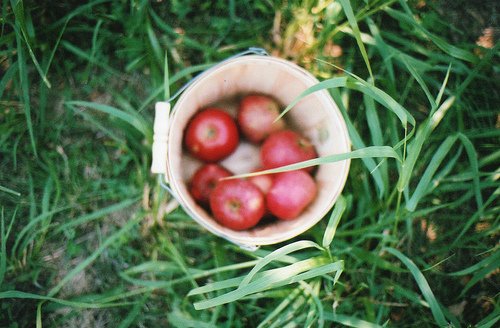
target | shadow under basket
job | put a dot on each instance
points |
(316, 116)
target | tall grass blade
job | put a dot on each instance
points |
(25, 96)
(423, 285)
(224, 284)
(14, 294)
(3, 246)
(30, 228)
(98, 125)
(316, 311)
(487, 59)
(386, 52)
(384, 99)
(180, 320)
(439, 42)
(7, 77)
(358, 143)
(493, 258)
(134, 313)
(472, 154)
(375, 259)
(96, 215)
(423, 185)
(154, 43)
(274, 256)
(480, 275)
(56, 46)
(349, 321)
(346, 5)
(480, 270)
(490, 320)
(292, 315)
(234, 282)
(194, 274)
(82, 265)
(373, 121)
(422, 135)
(277, 310)
(416, 75)
(442, 89)
(491, 200)
(406, 293)
(376, 132)
(93, 51)
(10, 191)
(180, 260)
(152, 267)
(82, 54)
(166, 85)
(39, 315)
(137, 121)
(19, 13)
(78, 11)
(279, 277)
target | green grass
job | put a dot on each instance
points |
(88, 237)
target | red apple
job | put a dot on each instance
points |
(204, 181)
(256, 115)
(211, 135)
(237, 204)
(263, 181)
(290, 194)
(286, 147)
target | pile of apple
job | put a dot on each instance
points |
(212, 135)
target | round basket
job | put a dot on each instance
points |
(316, 116)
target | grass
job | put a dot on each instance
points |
(88, 237)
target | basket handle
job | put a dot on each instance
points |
(160, 137)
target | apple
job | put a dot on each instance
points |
(290, 194)
(204, 181)
(256, 115)
(237, 204)
(286, 147)
(211, 135)
(263, 181)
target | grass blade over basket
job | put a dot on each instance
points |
(356, 83)
(368, 152)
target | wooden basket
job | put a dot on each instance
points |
(315, 116)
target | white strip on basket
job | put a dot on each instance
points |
(160, 137)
